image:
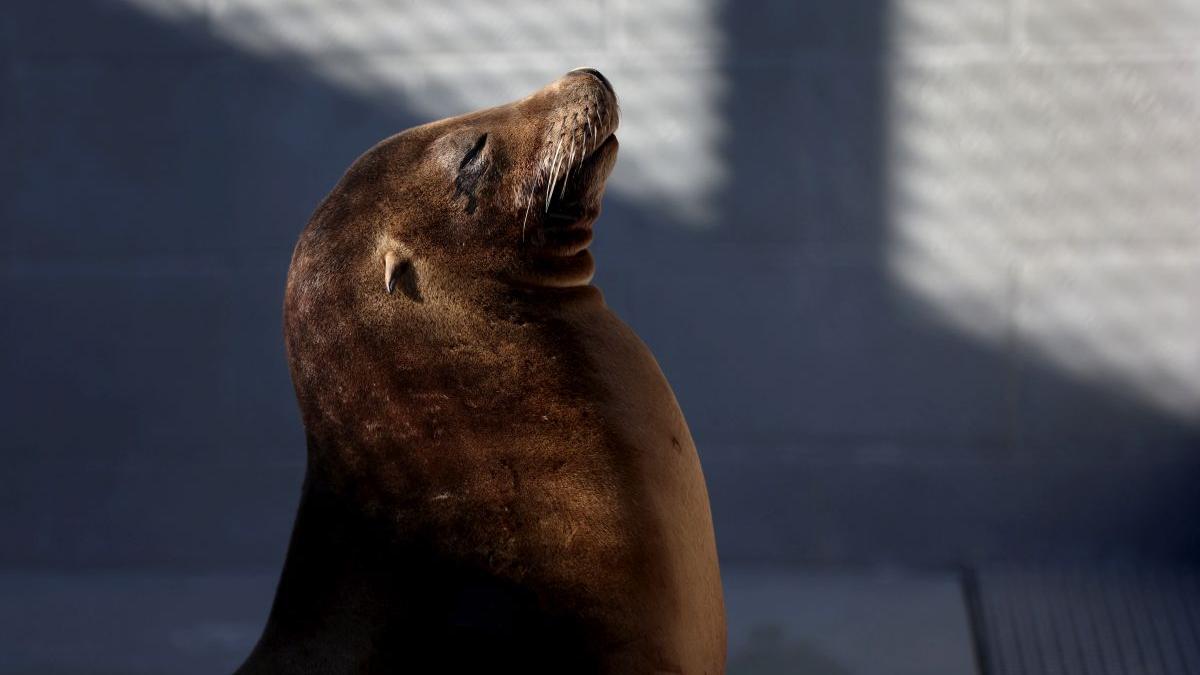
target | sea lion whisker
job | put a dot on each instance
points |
(528, 205)
(553, 173)
(567, 174)
(560, 168)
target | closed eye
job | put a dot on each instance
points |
(473, 153)
(471, 172)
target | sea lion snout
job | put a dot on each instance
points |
(576, 119)
(596, 74)
(579, 147)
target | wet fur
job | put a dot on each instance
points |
(499, 478)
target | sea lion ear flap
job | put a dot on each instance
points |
(392, 265)
(398, 270)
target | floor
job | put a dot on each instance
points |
(809, 622)
(1100, 619)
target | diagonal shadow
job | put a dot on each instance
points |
(880, 431)
(161, 180)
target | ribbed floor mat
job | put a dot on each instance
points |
(1086, 622)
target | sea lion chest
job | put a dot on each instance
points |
(549, 423)
(542, 448)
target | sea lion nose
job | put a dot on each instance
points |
(596, 74)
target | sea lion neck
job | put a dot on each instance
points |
(555, 300)
(492, 298)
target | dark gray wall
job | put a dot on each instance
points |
(923, 278)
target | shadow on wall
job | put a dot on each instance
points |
(842, 418)
(162, 177)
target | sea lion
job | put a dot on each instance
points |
(499, 476)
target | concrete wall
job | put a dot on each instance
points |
(925, 275)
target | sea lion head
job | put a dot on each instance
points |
(434, 233)
(508, 193)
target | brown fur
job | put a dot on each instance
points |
(499, 477)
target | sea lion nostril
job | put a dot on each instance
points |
(596, 74)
